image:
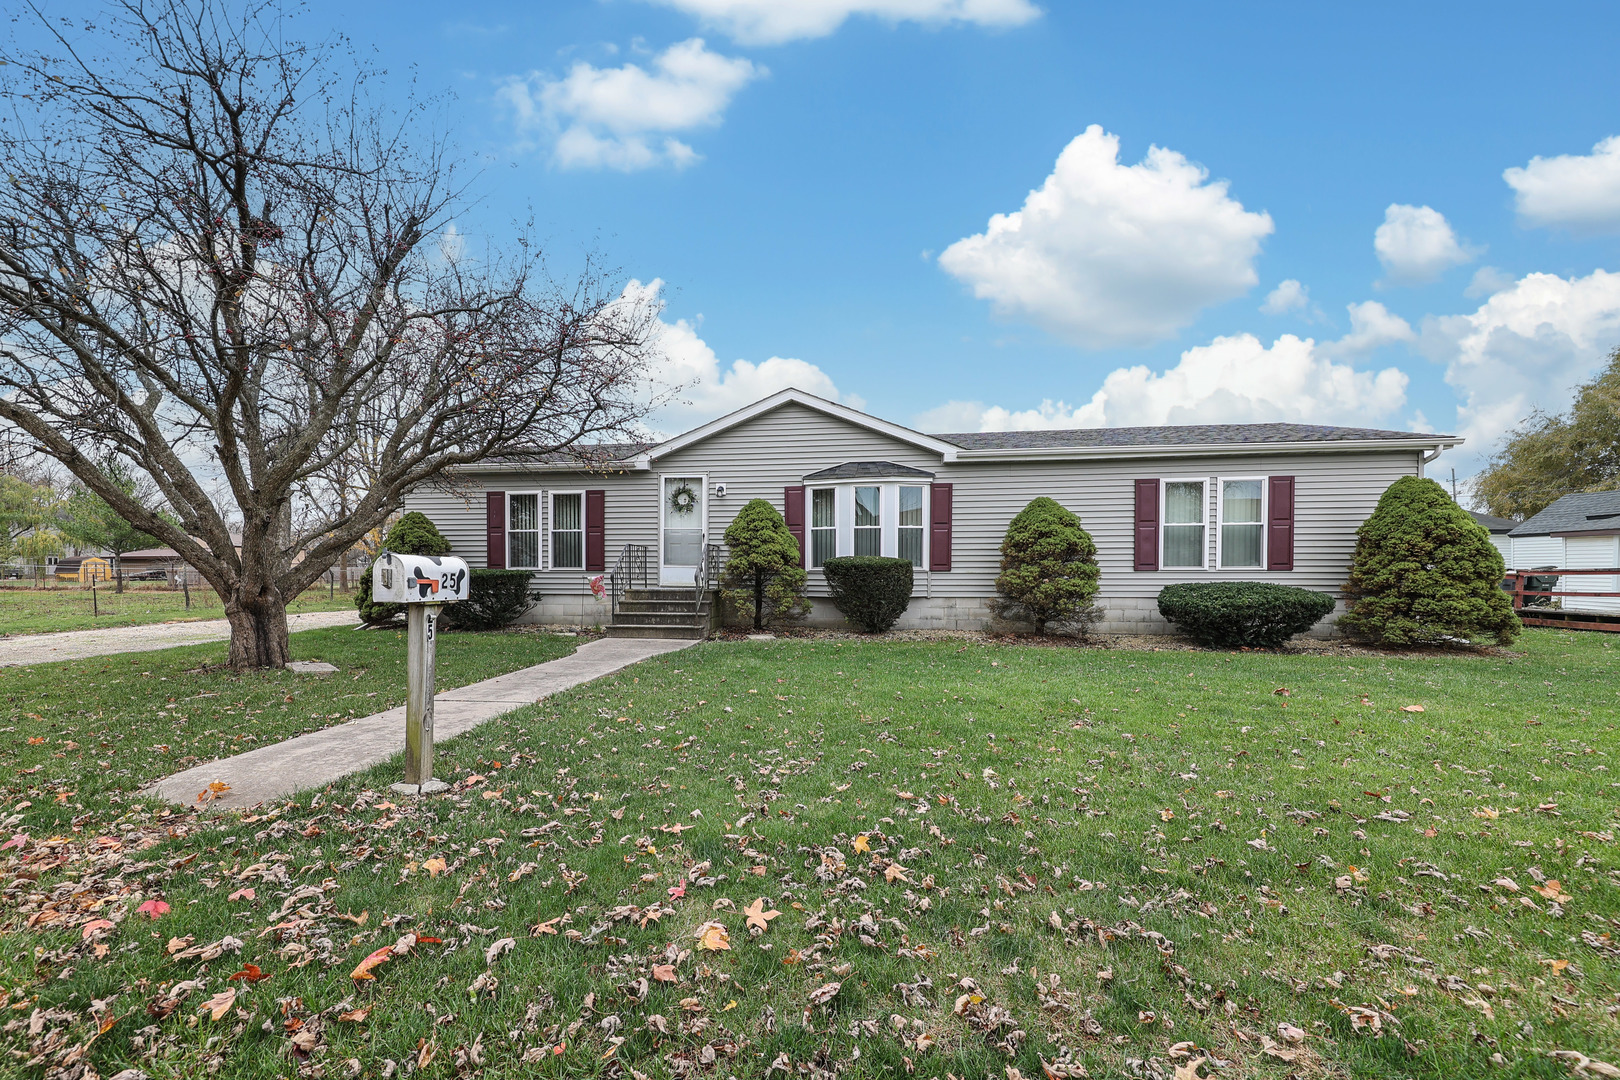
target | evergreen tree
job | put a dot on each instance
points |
(413, 534)
(1425, 573)
(763, 581)
(1048, 570)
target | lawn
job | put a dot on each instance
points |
(45, 611)
(974, 860)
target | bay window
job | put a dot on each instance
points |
(910, 531)
(869, 521)
(823, 525)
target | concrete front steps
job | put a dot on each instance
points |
(671, 613)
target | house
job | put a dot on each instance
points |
(1207, 502)
(1578, 532)
(1498, 528)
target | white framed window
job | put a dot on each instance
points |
(911, 528)
(1241, 542)
(568, 530)
(823, 525)
(1182, 540)
(523, 530)
(869, 521)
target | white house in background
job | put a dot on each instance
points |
(1578, 532)
(1204, 502)
(1499, 529)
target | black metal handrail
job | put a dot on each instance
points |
(629, 571)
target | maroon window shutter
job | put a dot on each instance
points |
(793, 514)
(596, 531)
(1280, 526)
(1147, 525)
(939, 533)
(495, 530)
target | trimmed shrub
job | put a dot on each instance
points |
(763, 581)
(1426, 573)
(495, 598)
(1233, 614)
(1048, 570)
(413, 534)
(872, 592)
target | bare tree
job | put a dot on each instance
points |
(221, 266)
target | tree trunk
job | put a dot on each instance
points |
(258, 629)
(118, 573)
(759, 601)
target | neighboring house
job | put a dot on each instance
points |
(1266, 502)
(1578, 532)
(1499, 529)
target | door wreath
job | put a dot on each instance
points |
(683, 500)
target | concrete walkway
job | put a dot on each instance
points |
(310, 761)
(78, 644)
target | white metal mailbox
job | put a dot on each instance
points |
(418, 579)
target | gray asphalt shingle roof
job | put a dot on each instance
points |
(859, 470)
(1494, 524)
(1174, 435)
(1591, 511)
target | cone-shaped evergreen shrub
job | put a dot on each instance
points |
(1425, 573)
(413, 534)
(763, 581)
(1048, 570)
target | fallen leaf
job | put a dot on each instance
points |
(363, 969)
(94, 926)
(861, 844)
(217, 1006)
(713, 937)
(493, 953)
(249, 973)
(1553, 890)
(1189, 1070)
(664, 973)
(824, 993)
(1411, 708)
(242, 894)
(434, 867)
(548, 927)
(758, 918)
(355, 1016)
(153, 909)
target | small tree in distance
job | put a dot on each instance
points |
(413, 534)
(1049, 574)
(763, 580)
(1425, 573)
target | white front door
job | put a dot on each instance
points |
(684, 513)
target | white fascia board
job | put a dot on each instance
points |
(1201, 450)
(947, 451)
(637, 464)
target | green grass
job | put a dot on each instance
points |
(82, 736)
(1231, 857)
(47, 611)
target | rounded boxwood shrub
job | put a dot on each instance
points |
(1232, 614)
(872, 592)
(1426, 573)
(763, 581)
(495, 598)
(1048, 570)
(413, 534)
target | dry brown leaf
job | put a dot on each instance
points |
(217, 1006)
(824, 993)
(713, 936)
(355, 1016)
(1189, 1070)
(434, 867)
(861, 844)
(664, 973)
(363, 969)
(758, 918)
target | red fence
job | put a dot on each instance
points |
(1535, 592)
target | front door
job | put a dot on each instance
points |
(682, 545)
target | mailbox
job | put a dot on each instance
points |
(418, 579)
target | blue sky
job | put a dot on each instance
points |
(835, 166)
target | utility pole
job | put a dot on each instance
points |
(1454, 483)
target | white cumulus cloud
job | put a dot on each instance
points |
(1372, 326)
(1416, 244)
(627, 118)
(771, 22)
(1232, 380)
(1287, 296)
(706, 388)
(1526, 346)
(1105, 254)
(1578, 192)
